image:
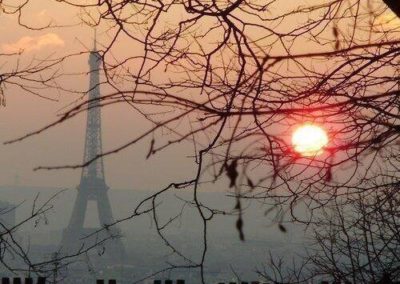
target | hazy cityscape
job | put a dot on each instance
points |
(146, 253)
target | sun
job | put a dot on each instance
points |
(309, 140)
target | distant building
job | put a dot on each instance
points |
(7, 215)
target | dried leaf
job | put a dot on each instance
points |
(239, 227)
(276, 169)
(2, 98)
(328, 176)
(282, 228)
(232, 173)
(238, 205)
(337, 45)
(335, 32)
(151, 151)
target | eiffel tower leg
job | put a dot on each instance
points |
(105, 213)
(78, 213)
(105, 217)
(72, 234)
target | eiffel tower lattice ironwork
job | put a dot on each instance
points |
(93, 186)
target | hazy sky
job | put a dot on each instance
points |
(64, 144)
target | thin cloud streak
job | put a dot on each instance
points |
(27, 43)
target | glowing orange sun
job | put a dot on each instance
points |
(309, 140)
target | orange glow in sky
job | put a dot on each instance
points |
(309, 140)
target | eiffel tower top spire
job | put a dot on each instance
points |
(93, 174)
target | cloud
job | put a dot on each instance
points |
(28, 43)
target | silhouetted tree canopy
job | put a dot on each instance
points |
(235, 78)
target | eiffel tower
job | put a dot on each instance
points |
(92, 185)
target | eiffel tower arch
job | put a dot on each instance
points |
(92, 186)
